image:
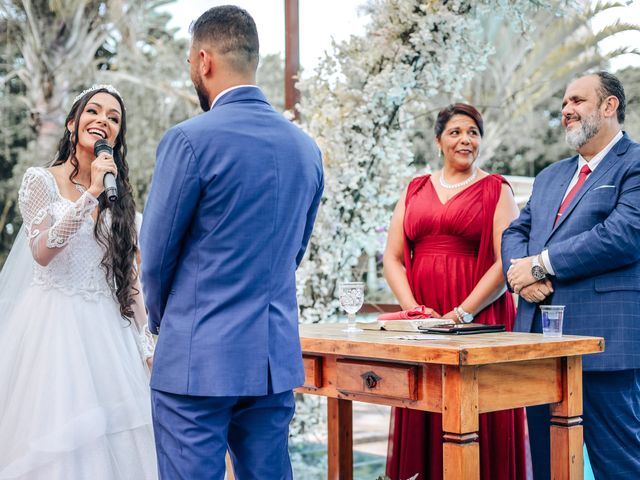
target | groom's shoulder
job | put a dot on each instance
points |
(197, 123)
(192, 129)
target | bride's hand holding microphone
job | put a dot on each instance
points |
(103, 171)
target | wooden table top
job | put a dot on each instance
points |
(479, 349)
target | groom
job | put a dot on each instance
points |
(232, 205)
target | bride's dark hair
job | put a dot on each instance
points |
(120, 239)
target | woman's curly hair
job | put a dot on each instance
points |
(120, 237)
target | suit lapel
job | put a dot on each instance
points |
(605, 165)
(555, 194)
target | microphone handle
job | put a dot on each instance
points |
(110, 186)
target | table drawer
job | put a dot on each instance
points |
(394, 380)
(312, 371)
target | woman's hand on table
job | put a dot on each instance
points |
(451, 316)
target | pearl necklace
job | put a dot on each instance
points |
(466, 182)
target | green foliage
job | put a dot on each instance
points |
(630, 78)
(520, 91)
(48, 46)
(533, 142)
(537, 139)
(54, 49)
(15, 132)
(148, 65)
(270, 77)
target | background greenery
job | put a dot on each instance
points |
(52, 49)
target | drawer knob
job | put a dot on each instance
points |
(370, 379)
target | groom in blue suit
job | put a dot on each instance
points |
(578, 241)
(234, 197)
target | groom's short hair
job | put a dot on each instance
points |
(231, 31)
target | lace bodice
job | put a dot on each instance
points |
(66, 253)
(52, 223)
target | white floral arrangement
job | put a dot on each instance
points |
(360, 106)
(356, 107)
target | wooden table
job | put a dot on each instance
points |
(457, 376)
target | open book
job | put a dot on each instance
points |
(403, 325)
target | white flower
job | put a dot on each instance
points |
(355, 106)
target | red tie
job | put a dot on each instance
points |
(584, 173)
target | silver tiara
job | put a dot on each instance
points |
(108, 88)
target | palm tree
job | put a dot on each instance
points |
(55, 48)
(58, 41)
(527, 70)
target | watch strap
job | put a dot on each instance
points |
(537, 271)
(463, 317)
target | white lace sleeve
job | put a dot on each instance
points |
(146, 344)
(46, 237)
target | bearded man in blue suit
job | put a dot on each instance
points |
(234, 197)
(577, 241)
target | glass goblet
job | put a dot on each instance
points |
(351, 296)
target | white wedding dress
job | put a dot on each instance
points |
(74, 393)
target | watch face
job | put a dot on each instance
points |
(467, 318)
(537, 272)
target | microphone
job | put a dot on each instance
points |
(109, 180)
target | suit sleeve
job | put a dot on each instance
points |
(609, 245)
(311, 218)
(172, 202)
(515, 239)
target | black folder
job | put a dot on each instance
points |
(462, 328)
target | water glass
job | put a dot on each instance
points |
(351, 296)
(552, 317)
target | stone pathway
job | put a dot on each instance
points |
(370, 428)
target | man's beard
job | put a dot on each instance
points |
(205, 104)
(589, 128)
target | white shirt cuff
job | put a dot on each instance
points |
(547, 262)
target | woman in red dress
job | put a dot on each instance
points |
(443, 252)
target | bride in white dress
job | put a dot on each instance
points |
(74, 395)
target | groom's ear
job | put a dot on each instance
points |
(207, 62)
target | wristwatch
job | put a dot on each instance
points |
(537, 271)
(463, 317)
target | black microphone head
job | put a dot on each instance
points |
(102, 145)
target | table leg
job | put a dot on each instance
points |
(461, 450)
(340, 427)
(567, 460)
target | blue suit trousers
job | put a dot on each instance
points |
(193, 433)
(611, 423)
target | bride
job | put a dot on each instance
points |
(74, 398)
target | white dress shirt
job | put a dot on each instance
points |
(593, 164)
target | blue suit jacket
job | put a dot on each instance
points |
(234, 196)
(594, 250)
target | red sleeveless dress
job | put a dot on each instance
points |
(448, 248)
